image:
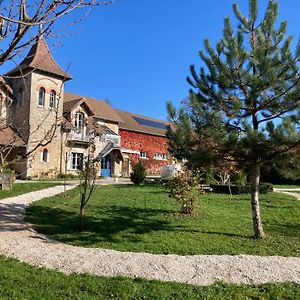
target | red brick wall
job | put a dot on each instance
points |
(150, 144)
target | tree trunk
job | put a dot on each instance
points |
(257, 224)
(81, 212)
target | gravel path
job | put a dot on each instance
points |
(20, 241)
(292, 192)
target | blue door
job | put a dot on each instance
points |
(105, 167)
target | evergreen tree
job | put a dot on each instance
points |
(244, 105)
(138, 173)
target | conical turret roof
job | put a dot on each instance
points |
(40, 58)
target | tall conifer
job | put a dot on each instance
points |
(244, 104)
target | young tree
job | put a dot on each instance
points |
(244, 105)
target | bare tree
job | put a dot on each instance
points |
(22, 24)
(22, 21)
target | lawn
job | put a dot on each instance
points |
(21, 281)
(129, 218)
(286, 186)
(22, 188)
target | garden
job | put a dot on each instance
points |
(144, 218)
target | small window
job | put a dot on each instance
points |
(76, 161)
(45, 155)
(79, 118)
(52, 102)
(42, 93)
(160, 156)
(143, 154)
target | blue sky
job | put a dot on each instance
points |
(137, 53)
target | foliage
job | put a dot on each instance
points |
(182, 189)
(21, 281)
(244, 105)
(138, 173)
(143, 219)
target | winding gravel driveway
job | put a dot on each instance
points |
(20, 241)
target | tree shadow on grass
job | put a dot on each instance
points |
(118, 224)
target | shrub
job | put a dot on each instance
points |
(138, 173)
(182, 189)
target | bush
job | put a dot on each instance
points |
(138, 173)
(182, 189)
(264, 188)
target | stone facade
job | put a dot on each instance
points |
(58, 127)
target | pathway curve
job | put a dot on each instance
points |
(20, 241)
(292, 192)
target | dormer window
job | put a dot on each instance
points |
(79, 118)
(42, 93)
(52, 102)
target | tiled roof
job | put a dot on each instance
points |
(102, 129)
(9, 137)
(68, 106)
(130, 123)
(101, 109)
(40, 58)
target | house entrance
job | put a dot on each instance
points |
(105, 166)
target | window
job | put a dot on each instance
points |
(42, 97)
(45, 155)
(76, 161)
(52, 102)
(143, 154)
(79, 118)
(160, 156)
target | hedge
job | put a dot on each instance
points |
(244, 189)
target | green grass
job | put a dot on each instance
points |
(21, 281)
(286, 186)
(129, 218)
(22, 188)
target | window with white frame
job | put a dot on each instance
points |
(76, 161)
(143, 154)
(52, 102)
(160, 156)
(42, 93)
(79, 118)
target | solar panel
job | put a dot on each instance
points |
(150, 123)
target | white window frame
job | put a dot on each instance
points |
(42, 102)
(76, 156)
(160, 156)
(143, 154)
(79, 120)
(52, 101)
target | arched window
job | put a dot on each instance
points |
(45, 156)
(42, 97)
(52, 102)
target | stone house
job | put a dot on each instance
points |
(50, 130)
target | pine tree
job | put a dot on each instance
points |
(138, 173)
(244, 104)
